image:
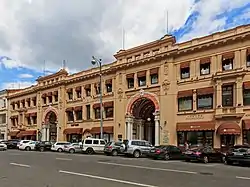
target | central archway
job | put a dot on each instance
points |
(50, 129)
(143, 117)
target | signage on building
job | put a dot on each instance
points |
(194, 117)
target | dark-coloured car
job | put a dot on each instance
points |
(12, 144)
(43, 146)
(231, 149)
(239, 155)
(204, 154)
(114, 148)
(166, 152)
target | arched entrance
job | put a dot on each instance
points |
(142, 119)
(50, 127)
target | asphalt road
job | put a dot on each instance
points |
(47, 169)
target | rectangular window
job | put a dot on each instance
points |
(34, 119)
(29, 120)
(248, 60)
(185, 103)
(88, 112)
(88, 92)
(70, 95)
(97, 89)
(109, 111)
(205, 68)
(246, 97)
(130, 82)
(44, 100)
(70, 116)
(56, 98)
(205, 101)
(97, 113)
(185, 72)
(2, 118)
(227, 64)
(142, 81)
(50, 99)
(78, 115)
(227, 95)
(28, 103)
(34, 101)
(109, 88)
(154, 79)
(78, 94)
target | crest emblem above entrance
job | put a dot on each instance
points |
(142, 92)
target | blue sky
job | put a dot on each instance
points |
(197, 22)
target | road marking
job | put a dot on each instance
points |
(165, 161)
(15, 154)
(21, 165)
(245, 178)
(105, 178)
(68, 159)
(150, 168)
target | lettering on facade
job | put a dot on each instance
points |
(194, 117)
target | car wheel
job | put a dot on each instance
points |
(27, 148)
(223, 159)
(228, 162)
(89, 151)
(166, 157)
(60, 150)
(114, 153)
(41, 149)
(72, 151)
(205, 159)
(187, 160)
(136, 154)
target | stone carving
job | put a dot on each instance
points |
(165, 86)
(120, 92)
(142, 92)
(165, 137)
(166, 69)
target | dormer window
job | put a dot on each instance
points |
(185, 70)
(227, 62)
(205, 66)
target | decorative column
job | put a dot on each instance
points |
(58, 128)
(43, 132)
(157, 128)
(239, 92)
(129, 126)
(141, 129)
(47, 132)
(218, 94)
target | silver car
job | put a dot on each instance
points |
(73, 148)
(137, 148)
(3, 147)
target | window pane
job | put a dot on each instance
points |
(205, 102)
(185, 103)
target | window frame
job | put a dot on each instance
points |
(181, 98)
(130, 83)
(151, 78)
(143, 79)
(70, 113)
(181, 72)
(205, 108)
(232, 95)
(209, 68)
(231, 60)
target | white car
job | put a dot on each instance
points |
(93, 145)
(3, 147)
(22, 142)
(59, 146)
(27, 146)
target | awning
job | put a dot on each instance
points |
(186, 93)
(196, 126)
(70, 109)
(107, 129)
(27, 133)
(205, 91)
(86, 131)
(185, 65)
(13, 133)
(246, 124)
(78, 108)
(73, 131)
(108, 104)
(229, 128)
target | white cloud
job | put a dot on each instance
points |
(25, 75)
(16, 85)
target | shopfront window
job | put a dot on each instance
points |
(246, 137)
(227, 140)
(74, 138)
(205, 101)
(195, 138)
(185, 104)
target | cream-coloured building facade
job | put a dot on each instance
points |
(165, 92)
(3, 114)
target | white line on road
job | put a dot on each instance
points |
(15, 154)
(68, 159)
(245, 178)
(150, 168)
(21, 165)
(105, 178)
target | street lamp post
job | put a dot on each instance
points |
(94, 61)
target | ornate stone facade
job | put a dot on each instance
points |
(172, 80)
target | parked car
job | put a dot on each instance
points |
(59, 146)
(239, 155)
(22, 142)
(137, 148)
(28, 146)
(93, 145)
(204, 154)
(114, 148)
(43, 146)
(12, 144)
(166, 152)
(73, 148)
(233, 148)
(3, 147)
